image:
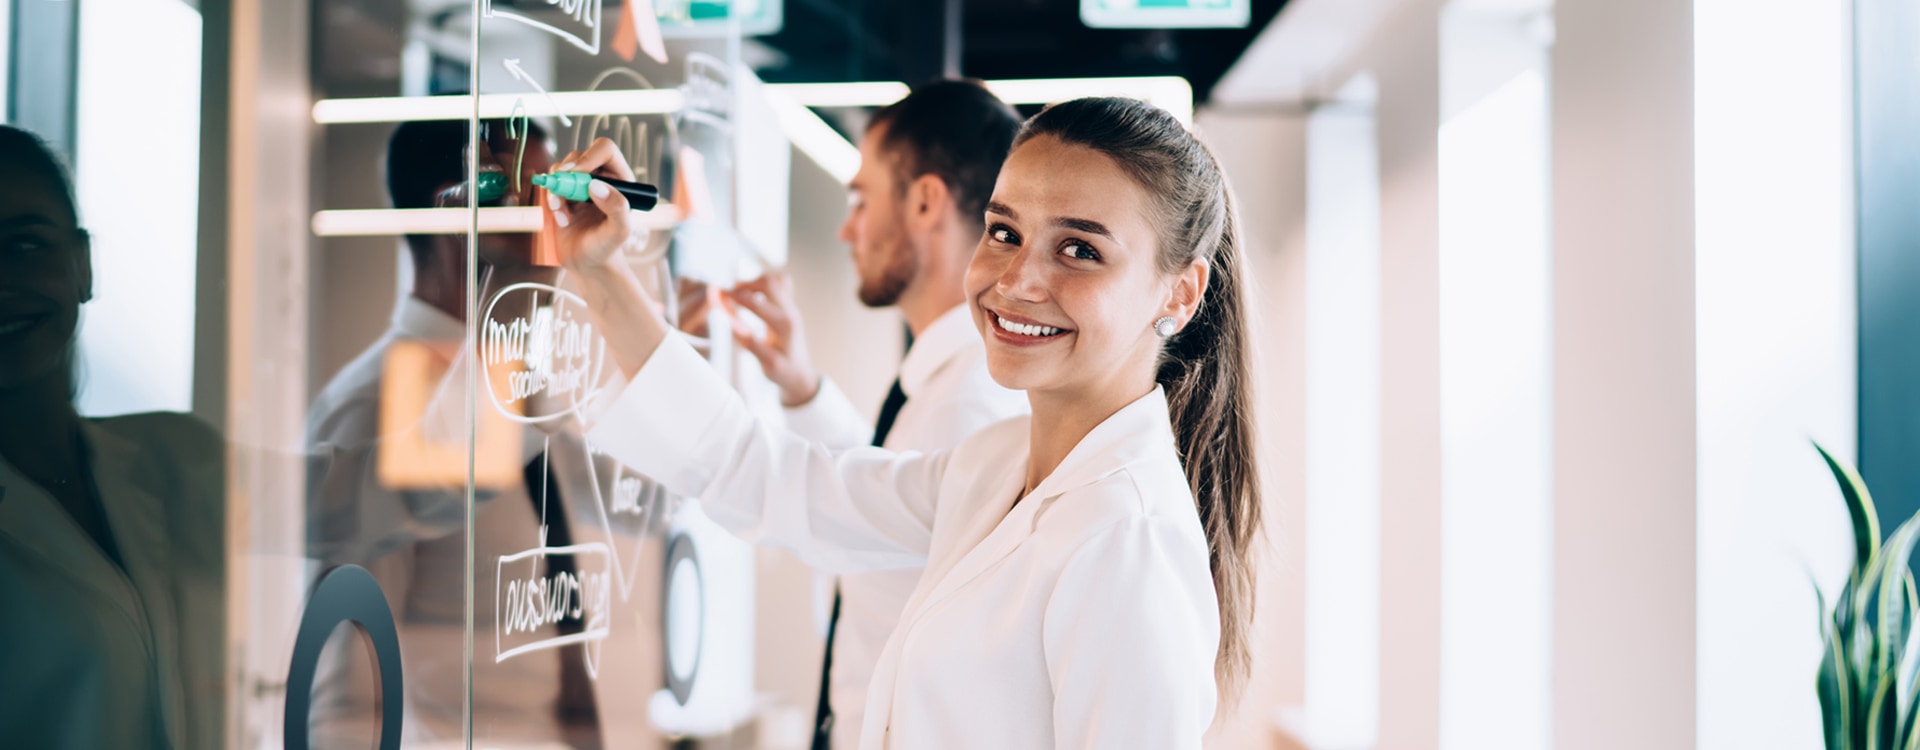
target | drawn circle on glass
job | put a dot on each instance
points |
(685, 617)
(345, 594)
(535, 342)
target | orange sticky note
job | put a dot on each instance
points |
(690, 191)
(640, 30)
(417, 450)
(546, 244)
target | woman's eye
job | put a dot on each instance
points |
(1080, 251)
(1002, 234)
(18, 246)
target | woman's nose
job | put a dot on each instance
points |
(1023, 278)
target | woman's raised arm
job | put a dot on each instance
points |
(678, 422)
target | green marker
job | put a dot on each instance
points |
(573, 186)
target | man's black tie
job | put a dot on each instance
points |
(823, 714)
(576, 706)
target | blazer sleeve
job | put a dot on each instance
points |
(1130, 635)
(830, 419)
(847, 510)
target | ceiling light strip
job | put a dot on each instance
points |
(814, 137)
(512, 219)
(570, 103)
(1168, 92)
(865, 94)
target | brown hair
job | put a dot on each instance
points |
(1204, 367)
(956, 130)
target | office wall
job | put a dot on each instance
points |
(1623, 361)
(1265, 154)
(1690, 362)
(1403, 56)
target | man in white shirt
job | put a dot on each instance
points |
(916, 213)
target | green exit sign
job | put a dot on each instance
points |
(714, 18)
(1164, 14)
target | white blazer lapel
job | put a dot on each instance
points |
(34, 520)
(989, 538)
(142, 529)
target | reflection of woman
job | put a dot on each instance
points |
(111, 535)
(1087, 582)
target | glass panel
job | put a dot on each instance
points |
(389, 431)
(605, 613)
(295, 388)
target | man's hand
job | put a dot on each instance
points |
(783, 350)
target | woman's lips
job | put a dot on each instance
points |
(13, 324)
(1023, 332)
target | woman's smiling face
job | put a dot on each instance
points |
(1066, 284)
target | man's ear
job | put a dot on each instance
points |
(928, 201)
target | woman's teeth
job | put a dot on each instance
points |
(15, 325)
(1024, 329)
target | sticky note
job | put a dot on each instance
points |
(690, 190)
(640, 30)
(546, 244)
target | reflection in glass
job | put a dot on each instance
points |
(112, 554)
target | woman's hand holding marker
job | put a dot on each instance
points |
(591, 237)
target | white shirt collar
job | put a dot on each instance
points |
(414, 319)
(1139, 431)
(949, 335)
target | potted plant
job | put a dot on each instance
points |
(1866, 683)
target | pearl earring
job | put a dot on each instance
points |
(1164, 327)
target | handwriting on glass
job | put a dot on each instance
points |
(531, 603)
(581, 27)
(552, 359)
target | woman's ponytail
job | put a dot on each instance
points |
(1205, 368)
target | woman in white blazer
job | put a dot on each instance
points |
(1086, 576)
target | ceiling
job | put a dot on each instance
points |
(845, 40)
(358, 42)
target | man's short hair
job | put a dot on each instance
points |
(955, 130)
(425, 156)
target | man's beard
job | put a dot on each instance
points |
(885, 290)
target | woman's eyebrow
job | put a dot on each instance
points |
(1083, 225)
(25, 220)
(995, 207)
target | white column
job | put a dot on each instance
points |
(1494, 379)
(1343, 425)
(1775, 304)
(1624, 438)
(269, 152)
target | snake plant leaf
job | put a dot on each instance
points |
(1891, 636)
(1880, 715)
(1866, 521)
(1906, 668)
(1833, 696)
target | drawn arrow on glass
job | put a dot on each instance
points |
(513, 66)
